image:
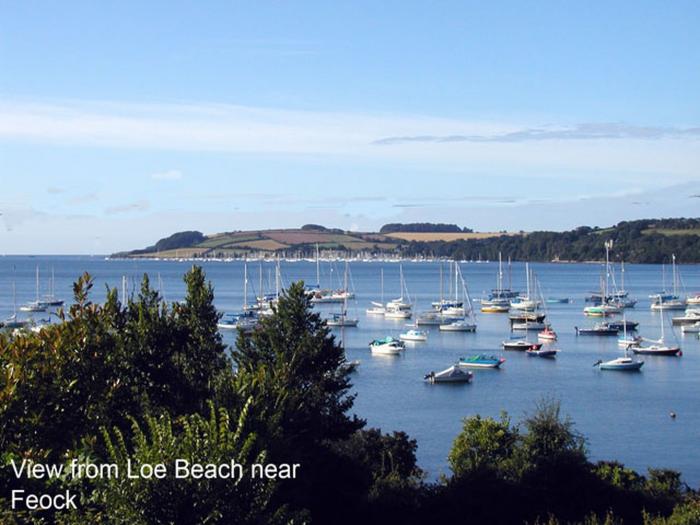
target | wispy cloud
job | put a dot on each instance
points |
(167, 175)
(591, 131)
(126, 208)
(85, 198)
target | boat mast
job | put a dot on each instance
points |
(456, 286)
(500, 272)
(37, 283)
(675, 280)
(245, 284)
(441, 283)
(123, 289)
(510, 275)
(318, 269)
(608, 246)
(277, 279)
(527, 277)
(381, 282)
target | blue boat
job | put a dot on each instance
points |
(481, 361)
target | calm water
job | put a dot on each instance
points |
(625, 416)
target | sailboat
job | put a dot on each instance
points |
(664, 300)
(342, 319)
(399, 308)
(499, 299)
(605, 307)
(50, 299)
(12, 321)
(621, 364)
(378, 308)
(626, 341)
(524, 302)
(36, 305)
(246, 320)
(460, 324)
(658, 347)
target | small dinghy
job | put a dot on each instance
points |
(481, 361)
(414, 335)
(386, 346)
(454, 374)
(623, 364)
(548, 352)
(521, 344)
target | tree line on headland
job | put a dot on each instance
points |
(137, 380)
(643, 241)
(640, 241)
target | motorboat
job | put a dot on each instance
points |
(33, 306)
(521, 344)
(547, 334)
(601, 310)
(693, 299)
(349, 366)
(495, 308)
(342, 320)
(629, 326)
(481, 361)
(397, 309)
(429, 319)
(597, 329)
(528, 325)
(691, 328)
(414, 335)
(376, 309)
(542, 352)
(453, 374)
(623, 364)
(521, 317)
(246, 321)
(692, 316)
(458, 325)
(386, 346)
(523, 303)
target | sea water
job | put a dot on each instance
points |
(624, 416)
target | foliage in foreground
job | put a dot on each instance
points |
(147, 382)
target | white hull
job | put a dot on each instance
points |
(458, 327)
(691, 328)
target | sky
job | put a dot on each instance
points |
(124, 122)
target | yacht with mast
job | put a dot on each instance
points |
(665, 300)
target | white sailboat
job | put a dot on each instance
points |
(36, 305)
(525, 302)
(665, 301)
(378, 308)
(466, 322)
(400, 308)
(658, 347)
(342, 319)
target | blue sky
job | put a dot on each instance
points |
(121, 123)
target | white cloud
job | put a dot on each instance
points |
(167, 175)
(629, 151)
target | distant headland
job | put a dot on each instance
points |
(640, 241)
